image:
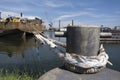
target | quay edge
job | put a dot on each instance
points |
(62, 74)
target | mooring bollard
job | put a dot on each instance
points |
(83, 40)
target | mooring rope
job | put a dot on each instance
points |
(89, 61)
(85, 62)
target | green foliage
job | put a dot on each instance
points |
(14, 75)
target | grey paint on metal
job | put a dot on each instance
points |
(61, 74)
(83, 40)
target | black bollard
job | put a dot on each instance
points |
(83, 40)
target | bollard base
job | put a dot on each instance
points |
(81, 70)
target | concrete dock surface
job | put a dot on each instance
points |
(61, 74)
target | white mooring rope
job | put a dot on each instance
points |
(78, 60)
(89, 61)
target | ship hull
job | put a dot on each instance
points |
(19, 27)
(10, 32)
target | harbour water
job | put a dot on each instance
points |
(33, 57)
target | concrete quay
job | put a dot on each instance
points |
(61, 74)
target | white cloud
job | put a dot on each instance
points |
(18, 7)
(56, 3)
(6, 14)
(78, 14)
(71, 15)
(38, 3)
(52, 4)
(66, 16)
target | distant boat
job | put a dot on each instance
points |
(12, 25)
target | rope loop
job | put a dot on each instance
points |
(78, 63)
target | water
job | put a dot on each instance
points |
(27, 55)
(113, 51)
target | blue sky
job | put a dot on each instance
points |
(83, 12)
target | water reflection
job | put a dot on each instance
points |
(26, 55)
